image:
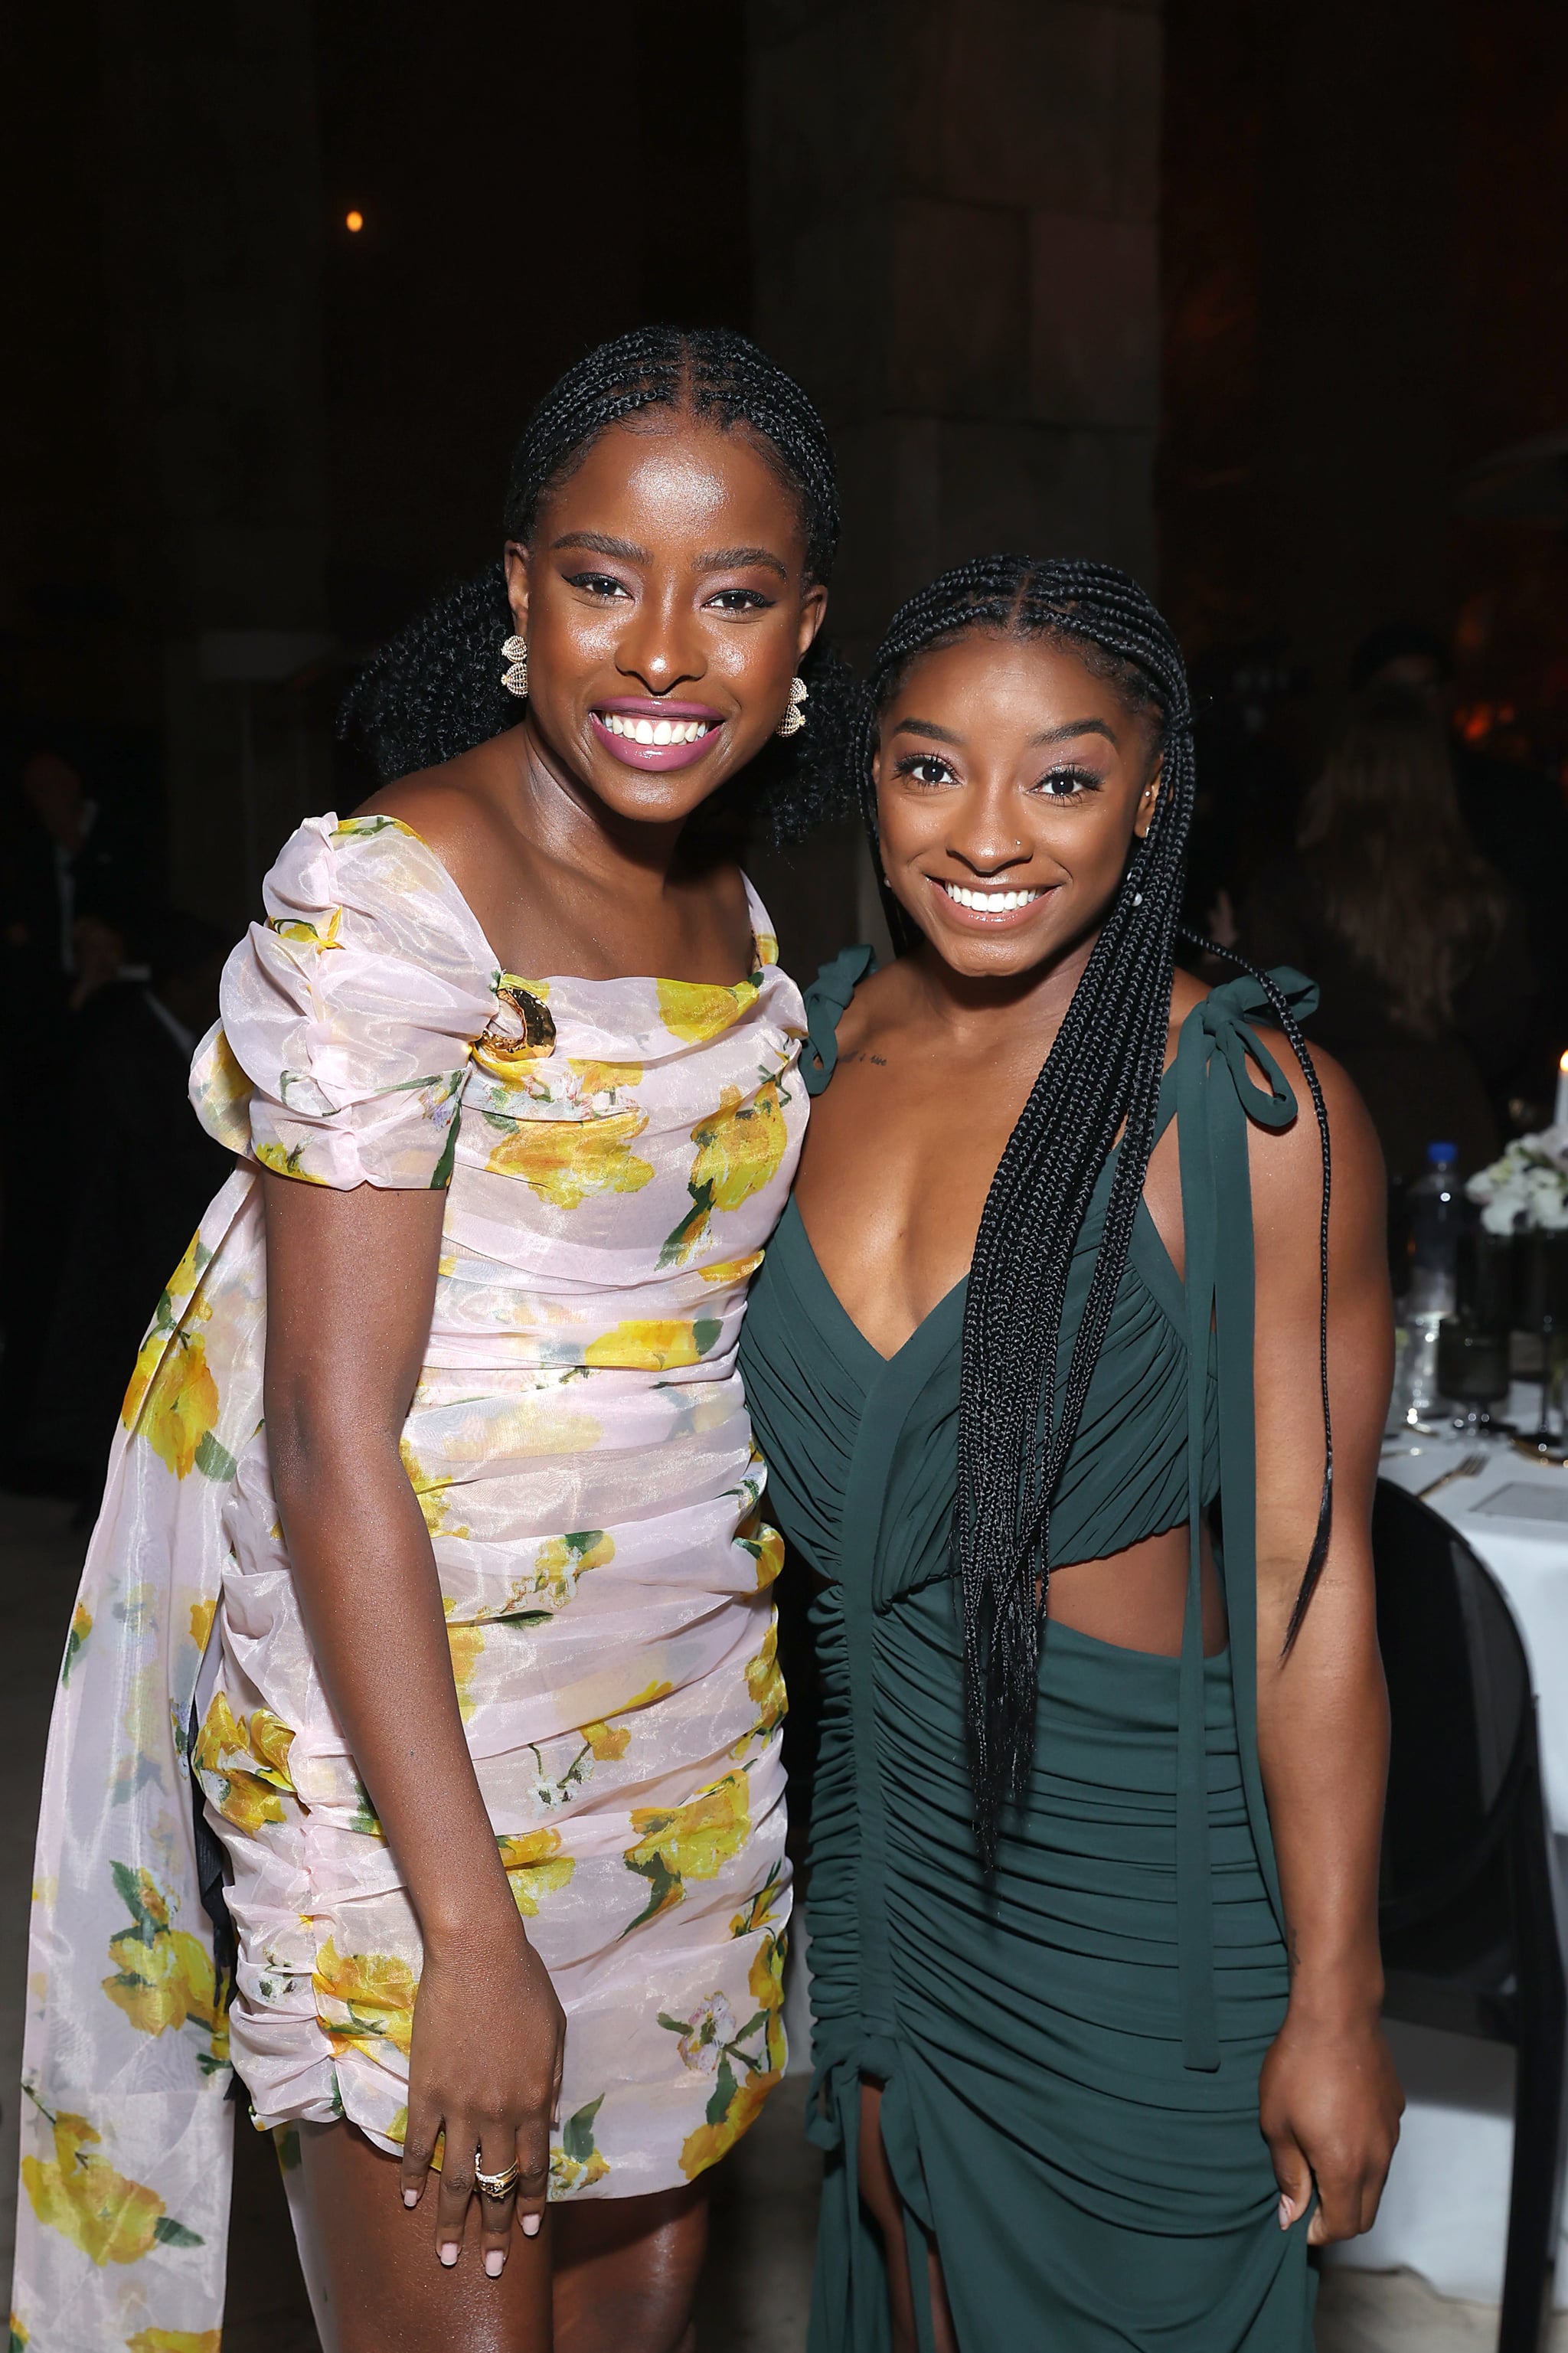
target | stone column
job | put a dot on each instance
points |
(954, 222)
(954, 210)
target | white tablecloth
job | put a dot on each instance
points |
(1444, 2212)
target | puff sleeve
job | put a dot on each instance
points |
(348, 1017)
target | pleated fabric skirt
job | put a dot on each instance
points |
(1085, 2191)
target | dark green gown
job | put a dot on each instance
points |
(1070, 2048)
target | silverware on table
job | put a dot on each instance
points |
(1469, 1466)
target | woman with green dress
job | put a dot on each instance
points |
(1070, 1387)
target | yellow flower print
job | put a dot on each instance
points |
(430, 1495)
(605, 1078)
(180, 1406)
(376, 1990)
(202, 1616)
(739, 1149)
(534, 1867)
(148, 1358)
(578, 2162)
(765, 1682)
(766, 1545)
(285, 1160)
(20, 2337)
(75, 1636)
(111, 2218)
(743, 2076)
(607, 1743)
(222, 1091)
(466, 1641)
(689, 1841)
(176, 2340)
(695, 1010)
(733, 1269)
(653, 1346)
(566, 1160)
(246, 1794)
(189, 1272)
(766, 948)
(308, 935)
(561, 1561)
(758, 1910)
(163, 1975)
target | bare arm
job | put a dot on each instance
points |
(350, 1280)
(1329, 2102)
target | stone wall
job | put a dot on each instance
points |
(954, 246)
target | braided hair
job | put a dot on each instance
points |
(1101, 1075)
(435, 691)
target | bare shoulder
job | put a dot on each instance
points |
(881, 1003)
(1286, 1162)
(453, 809)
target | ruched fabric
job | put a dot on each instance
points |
(1069, 2049)
(613, 1157)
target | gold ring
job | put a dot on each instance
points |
(497, 2185)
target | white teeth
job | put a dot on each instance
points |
(990, 902)
(655, 732)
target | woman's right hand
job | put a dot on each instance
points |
(484, 2069)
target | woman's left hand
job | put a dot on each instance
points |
(1329, 2104)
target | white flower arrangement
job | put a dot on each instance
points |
(1527, 1190)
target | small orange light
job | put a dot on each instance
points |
(353, 223)
(1563, 1064)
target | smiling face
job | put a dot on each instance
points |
(665, 605)
(1011, 784)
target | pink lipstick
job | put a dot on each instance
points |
(649, 732)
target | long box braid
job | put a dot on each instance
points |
(1102, 1076)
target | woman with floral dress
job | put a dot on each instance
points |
(432, 1545)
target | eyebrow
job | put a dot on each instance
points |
(1061, 734)
(729, 559)
(595, 543)
(926, 727)
(1075, 727)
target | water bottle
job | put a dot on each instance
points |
(1436, 1221)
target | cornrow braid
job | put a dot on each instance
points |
(435, 691)
(1102, 1075)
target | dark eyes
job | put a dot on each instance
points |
(728, 600)
(1058, 785)
(740, 600)
(597, 584)
(925, 768)
(1067, 784)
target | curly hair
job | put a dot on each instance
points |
(435, 691)
(1101, 1077)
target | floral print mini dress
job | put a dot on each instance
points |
(615, 1155)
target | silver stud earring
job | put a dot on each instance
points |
(515, 679)
(794, 718)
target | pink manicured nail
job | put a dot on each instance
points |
(493, 2262)
(530, 2226)
(1285, 2211)
(411, 2198)
(449, 2254)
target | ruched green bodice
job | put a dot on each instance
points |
(1070, 2048)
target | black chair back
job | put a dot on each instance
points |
(1463, 1723)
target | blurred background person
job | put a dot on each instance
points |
(1413, 937)
(1518, 819)
(66, 886)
